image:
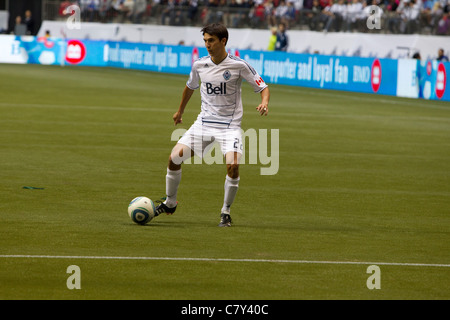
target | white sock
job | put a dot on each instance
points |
(173, 179)
(231, 187)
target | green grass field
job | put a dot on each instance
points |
(363, 179)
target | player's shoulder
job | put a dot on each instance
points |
(201, 60)
(241, 62)
(236, 59)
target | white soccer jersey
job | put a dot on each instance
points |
(220, 89)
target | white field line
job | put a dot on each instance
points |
(403, 264)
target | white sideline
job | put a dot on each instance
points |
(405, 264)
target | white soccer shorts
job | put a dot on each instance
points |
(201, 139)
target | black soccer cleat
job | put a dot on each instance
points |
(162, 208)
(225, 220)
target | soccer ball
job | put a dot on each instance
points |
(141, 210)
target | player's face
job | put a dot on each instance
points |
(213, 44)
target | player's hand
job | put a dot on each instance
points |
(263, 109)
(177, 118)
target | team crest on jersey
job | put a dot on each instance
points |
(227, 75)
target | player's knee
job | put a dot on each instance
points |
(233, 170)
(172, 165)
(178, 156)
(175, 160)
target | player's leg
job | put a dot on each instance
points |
(178, 155)
(232, 146)
(231, 180)
(230, 187)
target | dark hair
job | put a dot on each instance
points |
(216, 29)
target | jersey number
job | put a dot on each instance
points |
(236, 145)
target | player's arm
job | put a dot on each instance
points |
(263, 108)
(187, 94)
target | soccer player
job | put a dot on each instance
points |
(221, 75)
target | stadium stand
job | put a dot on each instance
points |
(395, 16)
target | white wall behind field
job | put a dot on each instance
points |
(342, 44)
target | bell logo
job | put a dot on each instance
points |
(76, 52)
(220, 89)
(376, 75)
(441, 79)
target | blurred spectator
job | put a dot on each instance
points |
(236, 14)
(212, 12)
(289, 17)
(105, 11)
(443, 25)
(315, 16)
(269, 10)
(280, 11)
(431, 13)
(193, 9)
(282, 39)
(221, 12)
(405, 18)
(123, 9)
(307, 5)
(411, 14)
(325, 3)
(127, 10)
(20, 29)
(272, 39)
(168, 12)
(391, 5)
(298, 5)
(441, 56)
(138, 11)
(89, 9)
(354, 10)
(445, 5)
(365, 13)
(29, 22)
(335, 13)
(117, 5)
(257, 15)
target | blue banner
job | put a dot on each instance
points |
(433, 80)
(406, 78)
(329, 72)
(356, 74)
(151, 57)
(39, 50)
